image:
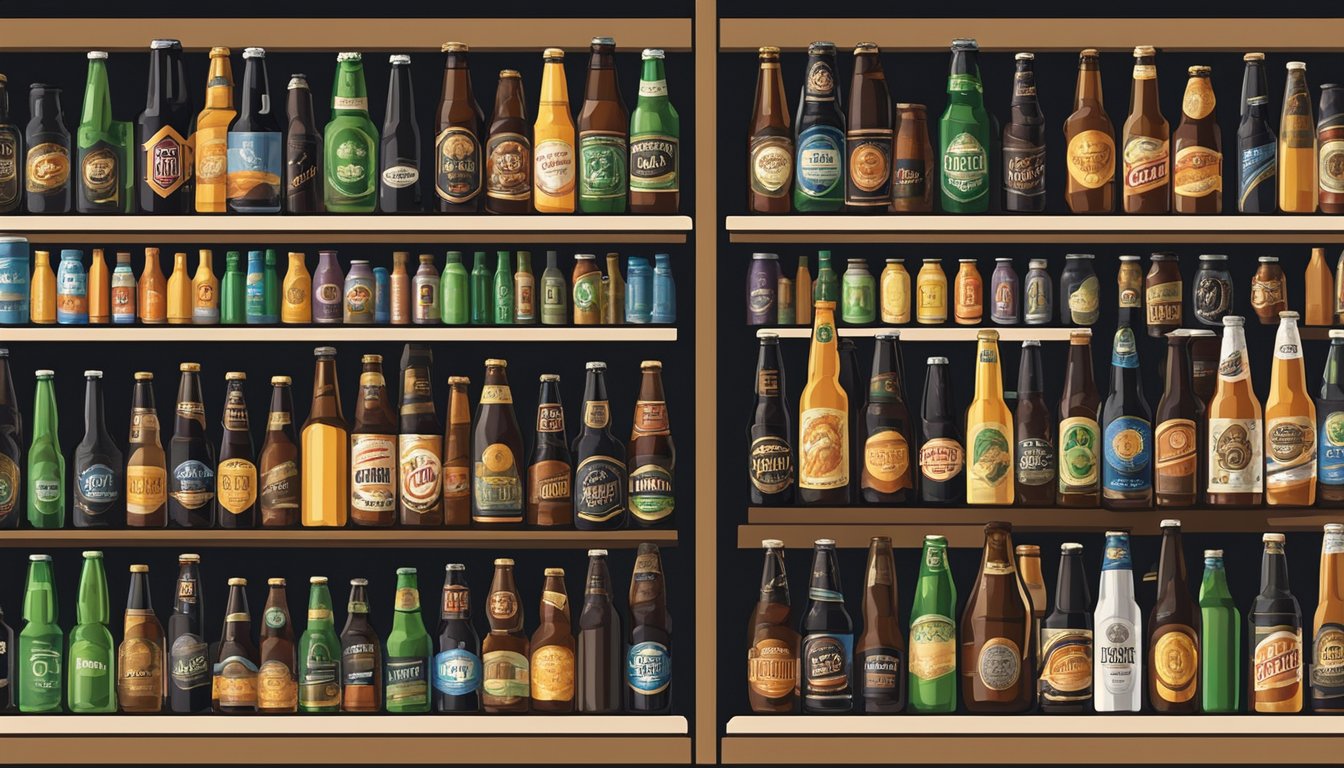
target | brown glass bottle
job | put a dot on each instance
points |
(651, 455)
(235, 672)
(648, 669)
(879, 651)
(913, 174)
(1034, 474)
(505, 683)
(603, 125)
(772, 653)
(373, 450)
(599, 672)
(1147, 149)
(236, 499)
(552, 660)
(457, 141)
(361, 655)
(550, 502)
(1079, 434)
(888, 472)
(1173, 634)
(997, 664)
(1197, 163)
(497, 452)
(420, 443)
(770, 142)
(1163, 294)
(1024, 143)
(279, 461)
(1033, 581)
(508, 150)
(1179, 430)
(191, 460)
(277, 682)
(142, 670)
(457, 455)
(146, 473)
(1090, 138)
(868, 135)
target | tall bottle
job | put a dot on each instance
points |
(772, 658)
(141, 668)
(303, 150)
(11, 449)
(1179, 433)
(989, 430)
(1219, 640)
(964, 135)
(868, 135)
(1236, 445)
(1320, 290)
(460, 129)
(933, 633)
(325, 453)
(819, 135)
(553, 134)
(508, 150)
(827, 675)
(1327, 675)
(46, 172)
(210, 141)
(104, 147)
(277, 680)
(648, 658)
(552, 658)
(1117, 661)
(237, 659)
(1329, 132)
(879, 651)
(887, 476)
(189, 672)
(191, 459)
(399, 152)
(98, 469)
(350, 142)
(1066, 657)
(408, 648)
(1329, 404)
(1299, 187)
(1024, 143)
(652, 456)
(553, 291)
(505, 669)
(497, 452)
(164, 176)
(655, 131)
(91, 663)
(1173, 633)
(482, 295)
(419, 442)
(550, 501)
(1147, 148)
(1197, 163)
(1127, 439)
(601, 475)
(602, 126)
(770, 147)
(1090, 138)
(41, 642)
(503, 290)
(1034, 453)
(361, 655)
(11, 197)
(457, 456)
(278, 500)
(1079, 432)
(99, 290)
(997, 663)
(373, 450)
(770, 459)
(1290, 423)
(237, 477)
(823, 424)
(255, 143)
(1276, 631)
(942, 455)
(456, 668)
(45, 489)
(1257, 159)
(319, 653)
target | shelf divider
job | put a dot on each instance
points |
(300, 538)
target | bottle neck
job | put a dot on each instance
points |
(935, 406)
(1178, 366)
(45, 107)
(1332, 378)
(1171, 564)
(92, 607)
(160, 75)
(400, 98)
(94, 424)
(1145, 87)
(774, 580)
(97, 108)
(988, 376)
(554, 90)
(255, 99)
(1088, 91)
(823, 360)
(219, 86)
(652, 83)
(319, 608)
(1274, 572)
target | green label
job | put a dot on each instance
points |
(603, 171)
(653, 162)
(825, 333)
(965, 168)
(350, 162)
(586, 291)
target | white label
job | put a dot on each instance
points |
(1236, 456)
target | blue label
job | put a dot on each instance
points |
(255, 151)
(825, 595)
(255, 297)
(1124, 352)
(1330, 453)
(1257, 167)
(826, 660)
(98, 483)
(194, 476)
(820, 160)
(1116, 557)
(457, 672)
(1128, 448)
(648, 668)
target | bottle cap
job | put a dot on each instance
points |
(821, 47)
(324, 352)
(1117, 533)
(138, 568)
(349, 56)
(770, 337)
(1288, 314)
(1080, 256)
(254, 53)
(237, 582)
(1336, 333)
(1025, 56)
(764, 256)
(1273, 537)
(405, 571)
(1171, 523)
(1036, 264)
(1200, 70)
(987, 334)
(966, 261)
(455, 380)
(549, 377)
(1233, 321)
(506, 74)
(92, 554)
(1203, 332)
(865, 48)
(188, 558)
(189, 367)
(1296, 65)
(595, 366)
(894, 260)
(1213, 553)
(359, 582)
(936, 361)
(1213, 257)
(39, 558)
(1253, 56)
(824, 543)
(1128, 257)
(935, 538)
(275, 582)
(453, 47)
(767, 50)
(1334, 527)
(317, 579)
(1070, 547)
(164, 42)
(652, 53)
(777, 544)
(892, 335)
(296, 81)
(1144, 50)
(553, 54)
(965, 44)
(93, 374)
(604, 41)
(1269, 259)
(651, 365)
(1031, 343)
(504, 561)
(1088, 53)
(371, 359)
(1002, 259)
(97, 55)
(1027, 549)
(495, 362)
(144, 376)
(560, 572)
(44, 374)
(235, 376)
(597, 553)
(281, 380)
(399, 58)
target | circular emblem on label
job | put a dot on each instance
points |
(868, 167)
(1127, 444)
(274, 618)
(825, 333)
(1000, 664)
(1091, 159)
(1234, 448)
(497, 457)
(1175, 659)
(771, 165)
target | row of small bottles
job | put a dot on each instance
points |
(244, 160)
(1009, 654)
(611, 664)
(1158, 297)
(381, 470)
(256, 295)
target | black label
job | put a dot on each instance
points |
(301, 166)
(599, 489)
(1035, 461)
(189, 666)
(1213, 297)
(908, 178)
(457, 176)
(358, 662)
(654, 159)
(1024, 171)
(880, 672)
(9, 167)
(771, 464)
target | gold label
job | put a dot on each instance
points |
(1176, 459)
(553, 673)
(651, 417)
(212, 155)
(139, 668)
(772, 668)
(823, 453)
(48, 167)
(236, 485)
(1236, 463)
(496, 394)
(1331, 166)
(1091, 159)
(1164, 303)
(596, 414)
(886, 461)
(1198, 172)
(1067, 667)
(933, 646)
(771, 165)
(1145, 71)
(941, 459)
(1176, 658)
(502, 605)
(407, 599)
(1198, 102)
(167, 162)
(1145, 164)
(146, 488)
(276, 686)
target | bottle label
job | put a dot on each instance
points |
(508, 166)
(320, 686)
(991, 459)
(823, 451)
(235, 682)
(909, 178)
(167, 161)
(190, 667)
(1236, 460)
(43, 665)
(1164, 303)
(819, 167)
(1117, 652)
(771, 165)
(193, 484)
(999, 664)
(350, 177)
(966, 169)
(280, 486)
(1213, 297)
(941, 459)
(881, 672)
(506, 676)
(48, 168)
(772, 668)
(1269, 296)
(400, 174)
(1128, 452)
(421, 475)
(1327, 671)
(457, 672)
(359, 661)
(1177, 461)
(1257, 168)
(373, 463)
(648, 668)
(1145, 164)
(552, 673)
(826, 662)
(1024, 171)
(139, 668)
(254, 166)
(1129, 281)
(587, 293)
(97, 485)
(1291, 445)
(302, 164)
(771, 462)
(457, 178)
(1176, 658)
(406, 682)
(123, 299)
(237, 485)
(602, 156)
(9, 167)
(933, 646)
(1276, 664)
(1331, 166)
(653, 162)
(1331, 452)
(1035, 461)
(1085, 301)
(1066, 673)
(548, 481)
(9, 486)
(599, 489)
(868, 166)
(276, 687)
(651, 492)
(1198, 172)
(886, 461)
(1079, 464)
(1091, 159)
(498, 487)
(554, 167)
(651, 418)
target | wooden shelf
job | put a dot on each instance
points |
(405, 538)
(337, 228)
(362, 333)
(397, 35)
(1003, 228)
(935, 333)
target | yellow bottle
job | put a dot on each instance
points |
(205, 291)
(211, 141)
(823, 423)
(931, 289)
(553, 140)
(325, 453)
(42, 301)
(100, 290)
(179, 292)
(895, 293)
(1290, 423)
(153, 290)
(989, 429)
(1320, 303)
(1298, 187)
(296, 296)
(969, 307)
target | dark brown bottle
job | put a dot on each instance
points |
(997, 664)
(457, 666)
(942, 455)
(598, 674)
(648, 667)
(420, 443)
(277, 680)
(868, 135)
(1197, 151)
(457, 455)
(826, 674)
(303, 151)
(191, 459)
(505, 685)
(600, 476)
(373, 450)
(457, 142)
(1173, 634)
(1035, 455)
(146, 469)
(888, 473)
(550, 502)
(879, 652)
(280, 485)
(552, 662)
(1180, 430)
(162, 136)
(235, 673)
(770, 460)
(508, 150)
(1079, 434)
(651, 454)
(772, 652)
(1024, 143)
(361, 655)
(236, 499)
(770, 141)
(497, 452)
(1066, 639)
(11, 453)
(603, 125)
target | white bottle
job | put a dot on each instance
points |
(1117, 662)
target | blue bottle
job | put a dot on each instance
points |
(255, 303)
(72, 289)
(14, 290)
(664, 291)
(382, 297)
(638, 291)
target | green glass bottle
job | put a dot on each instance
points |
(408, 648)
(454, 295)
(858, 300)
(655, 131)
(827, 285)
(964, 135)
(46, 463)
(319, 653)
(271, 286)
(482, 306)
(103, 145)
(503, 294)
(933, 633)
(554, 289)
(91, 664)
(233, 291)
(41, 642)
(1220, 640)
(350, 142)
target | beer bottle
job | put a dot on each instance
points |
(210, 146)
(868, 135)
(996, 632)
(652, 456)
(319, 653)
(1257, 159)
(325, 456)
(482, 295)
(1173, 633)
(11, 452)
(508, 151)
(46, 173)
(373, 450)
(277, 685)
(655, 131)
(823, 425)
(189, 687)
(933, 633)
(600, 474)
(1024, 143)
(525, 291)
(1290, 423)
(399, 289)
(989, 430)
(827, 285)
(549, 498)
(152, 290)
(887, 475)
(1276, 622)
(457, 456)
(1197, 169)
(505, 684)
(879, 653)
(912, 177)
(233, 292)
(99, 291)
(772, 658)
(104, 148)
(1146, 141)
(1236, 447)
(828, 638)
(1179, 417)
(1220, 640)
(602, 125)
(1163, 291)
(350, 141)
(420, 443)
(770, 142)
(1033, 581)
(819, 135)
(303, 151)
(1298, 185)
(1327, 685)
(503, 290)
(964, 134)
(399, 151)
(204, 290)
(279, 460)
(1320, 285)
(236, 501)
(408, 648)
(361, 666)
(553, 291)
(72, 289)
(425, 309)
(140, 657)
(41, 641)
(552, 649)
(648, 666)
(191, 460)
(1117, 664)
(454, 291)
(164, 178)
(1329, 405)
(92, 677)
(553, 162)
(179, 291)
(1330, 140)
(9, 668)
(456, 671)
(46, 462)
(598, 672)
(497, 449)
(235, 672)
(457, 143)
(11, 180)
(254, 143)
(1127, 442)
(1066, 640)
(1034, 453)
(770, 459)
(1090, 137)
(942, 456)
(122, 291)
(98, 465)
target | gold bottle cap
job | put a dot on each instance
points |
(504, 561)
(1253, 56)
(506, 74)
(651, 365)
(453, 47)
(144, 376)
(235, 376)
(276, 582)
(188, 558)
(1200, 70)
(550, 377)
(1088, 53)
(317, 579)
(281, 380)
(220, 51)
(553, 54)
(454, 380)
(371, 359)
(496, 362)
(237, 582)
(772, 544)
(189, 367)
(987, 334)
(1028, 549)
(1273, 537)
(138, 568)
(555, 572)
(1213, 553)
(768, 50)
(1144, 50)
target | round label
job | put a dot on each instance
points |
(1000, 664)
(1176, 660)
(868, 167)
(941, 459)
(1091, 159)
(771, 165)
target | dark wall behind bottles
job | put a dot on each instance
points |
(342, 8)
